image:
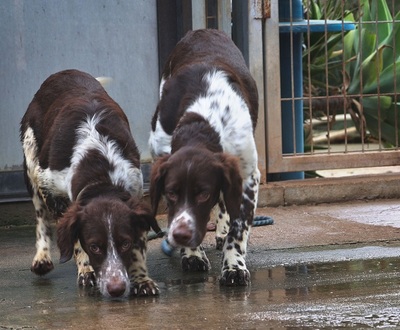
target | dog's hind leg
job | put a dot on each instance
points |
(86, 275)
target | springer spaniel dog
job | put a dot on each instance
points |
(202, 140)
(82, 167)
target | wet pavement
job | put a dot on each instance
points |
(317, 267)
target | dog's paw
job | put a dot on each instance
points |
(237, 277)
(146, 288)
(87, 279)
(194, 263)
(42, 267)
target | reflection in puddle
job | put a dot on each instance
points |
(361, 293)
(358, 294)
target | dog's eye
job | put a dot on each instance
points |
(202, 197)
(172, 196)
(95, 248)
(125, 246)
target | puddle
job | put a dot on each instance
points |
(300, 294)
(345, 294)
(327, 295)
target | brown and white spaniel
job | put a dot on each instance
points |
(82, 167)
(202, 138)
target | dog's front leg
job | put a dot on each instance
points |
(141, 283)
(86, 275)
(42, 263)
(221, 216)
(234, 269)
(194, 259)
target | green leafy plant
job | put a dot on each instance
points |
(372, 55)
(363, 67)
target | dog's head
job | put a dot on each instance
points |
(111, 232)
(192, 180)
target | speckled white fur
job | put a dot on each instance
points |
(234, 133)
(88, 138)
(125, 174)
(185, 218)
(112, 268)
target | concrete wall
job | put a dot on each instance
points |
(102, 37)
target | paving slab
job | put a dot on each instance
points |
(317, 266)
(336, 224)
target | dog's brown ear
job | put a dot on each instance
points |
(67, 232)
(142, 215)
(158, 172)
(231, 185)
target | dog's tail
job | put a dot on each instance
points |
(104, 81)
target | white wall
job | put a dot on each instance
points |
(102, 37)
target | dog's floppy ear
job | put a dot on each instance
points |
(231, 185)
(67, 232)
(142, 215)
(158, 172)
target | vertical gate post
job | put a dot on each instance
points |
(291, 83)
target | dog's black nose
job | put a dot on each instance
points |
(182, 235)
(116, 288)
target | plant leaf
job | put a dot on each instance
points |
(365, 13)
(377, 103)
(392, 52)
(380, 13)
(386, 123)
(393, 114)
(368, 40)
(315, 10)
(348, 44)
(387, 80)
(372, 67)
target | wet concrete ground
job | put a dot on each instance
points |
(326, 266)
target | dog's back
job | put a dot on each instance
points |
(63, 102)
(210, 47)
(213, 49)
(68, 81)
(73, 133)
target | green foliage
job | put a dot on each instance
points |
(371, 57)
(321, 46)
